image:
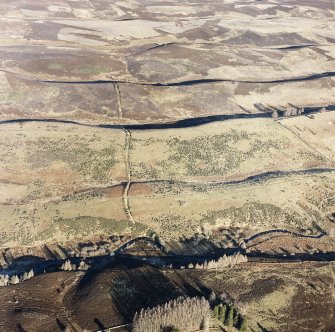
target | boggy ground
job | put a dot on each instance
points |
(276, 297)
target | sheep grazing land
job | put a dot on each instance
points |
(167, 166)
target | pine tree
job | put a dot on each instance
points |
(212, 297)
(243, 324)
(4, 280)
(173, 313)
(205, 324)
(173, 329)
(275, 114)
(31, 273)
(216, 312)
(14, 279)
(67, 266)
(222, 313)
(230, 317)
(28, 275)
(236, 319)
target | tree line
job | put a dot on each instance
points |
(182, 314)
(14, 279)
(224, 261)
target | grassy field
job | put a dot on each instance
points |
(299, 202)
(222, 150)
(51, 160)
(56, 174)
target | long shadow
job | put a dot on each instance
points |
(251, 178)
(49, 252)
(285, 231)
(197, 82)
(141, 287)
(25, 261)
(19, 328)
(262, 329)
(184, 123)
(99, 324)
(60, 325)
(295, 47)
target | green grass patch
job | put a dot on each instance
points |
(55, 66)
(86, 225)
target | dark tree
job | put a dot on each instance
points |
(222, 313)
(230, 317)
(243, 324)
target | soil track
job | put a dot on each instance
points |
(128, 183)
